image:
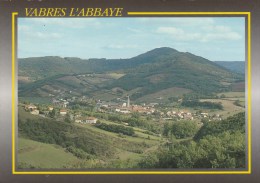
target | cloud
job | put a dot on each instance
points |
(221, 36)
(29, 34)
(134, 30)
(76, 23)
(217, 28)
(179, 21)
(178, 34)
(42, 35)
(23, 28)
(212, 33)
(125, 37)
(119, 46)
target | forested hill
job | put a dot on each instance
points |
(41, 67)
(153, 71)
(234, 66)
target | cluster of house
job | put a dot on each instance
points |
(60, 103)
(186, 115)
(78, 118)
(134, 108)
(35, 111)
(125, 109)
(63, 112)
(180, 115)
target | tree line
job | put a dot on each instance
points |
(205, 104)
(116, 128)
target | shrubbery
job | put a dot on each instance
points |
(206, 104)
(116, 128)
(181, 129)
(78, 152)
(66, 135)
(219, 144)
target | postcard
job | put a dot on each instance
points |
(112, 88)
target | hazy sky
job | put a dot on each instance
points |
(217, 39)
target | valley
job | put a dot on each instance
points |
(155, 110)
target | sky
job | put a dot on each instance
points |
(214, 38)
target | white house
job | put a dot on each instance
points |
(35, 112)
(90, 120)
(30, 107)
(63, 112)
(78, 120)
(50, 108)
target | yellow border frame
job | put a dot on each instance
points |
(249, 139)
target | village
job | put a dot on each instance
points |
(71, 109)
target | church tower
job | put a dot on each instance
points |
(128, 101)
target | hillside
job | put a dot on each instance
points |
(54, 156)
(182, 70)
(50, 143)
(234, 66)
(217, 144)
(42, 67)
(145, 74)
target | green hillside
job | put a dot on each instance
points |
(33, 154)
(72, 145)
(42, 67)
(183, 70)
(146, 74)
(218, 144)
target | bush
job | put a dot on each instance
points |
(184, 129)
(116, 128)
(78, 152)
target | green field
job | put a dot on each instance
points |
(41, 155)
(229, 108)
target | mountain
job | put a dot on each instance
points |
(171, 68)
(154, 72)
(42, 67)
(234, 66)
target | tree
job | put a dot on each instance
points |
(166, 129)
(52, 113)
(222, 96)
(67, 118)
(148, 161)
(184, 129)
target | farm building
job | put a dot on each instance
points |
(86, 120)
(35, 112)
(90, 120)
(63, 112)
(30, 107)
